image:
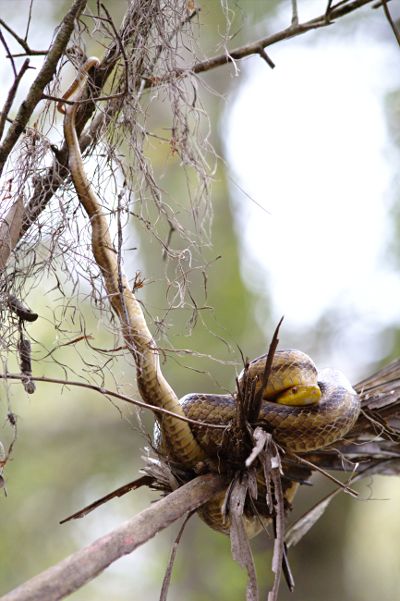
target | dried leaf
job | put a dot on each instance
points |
(10, 229)
(260, 437)
(267, 467)
(286, 569)
(307, 521)
(256, 403)
(279, 526)
(160, 472)
(240, 546)
(388, 375)
(118, 492)
(25, 356)
(168, 572)
(252, 484)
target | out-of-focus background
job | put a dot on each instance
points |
(306, 219)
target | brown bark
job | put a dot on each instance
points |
(82, 566)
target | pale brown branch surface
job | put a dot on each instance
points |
(79, 568)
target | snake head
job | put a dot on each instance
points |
(299, 395)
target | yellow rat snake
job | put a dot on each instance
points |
(305, 410)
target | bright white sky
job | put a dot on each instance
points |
(308, 141)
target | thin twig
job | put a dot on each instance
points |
(21, 41)
(319, 469)
(31, 53)
(390, 21)
(4, 42)
(122, 50)
(83, 100)
(295, 14)
(11, 95)
(116, 395)
(265, 56)
(168, 572)
(328, 9)
(28, 23)
(12, 420)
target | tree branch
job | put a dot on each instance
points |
(21, 41)
(82, 566)
(44, 77)
(255, 47)
(48, 185)
(392, 24)
(110, 393)
(11, 95)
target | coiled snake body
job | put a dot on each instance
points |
(303, 409)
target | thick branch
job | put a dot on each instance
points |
(44, 77)
(79, 568)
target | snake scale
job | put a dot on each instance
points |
(153, 386)
(303, 408)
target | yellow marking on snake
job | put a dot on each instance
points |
(322, 406)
